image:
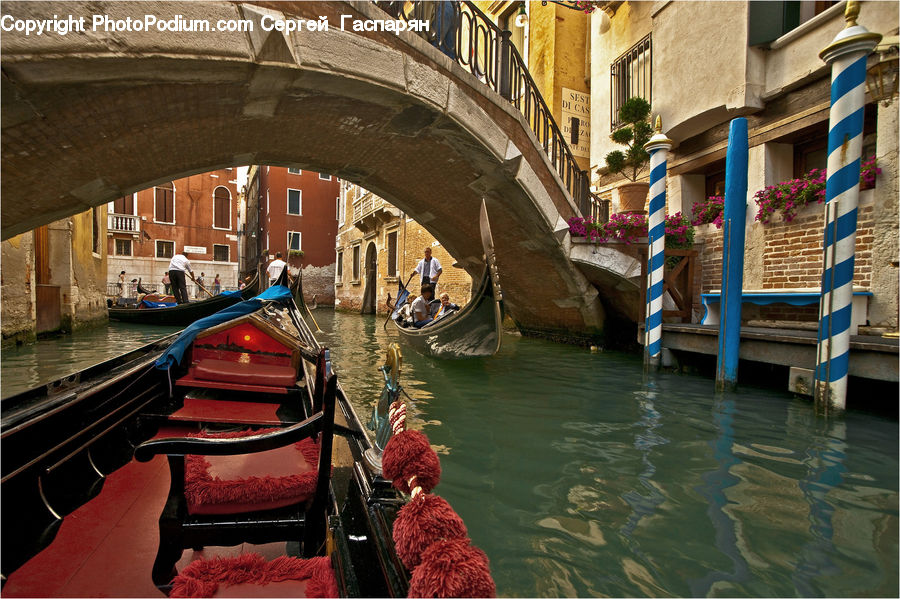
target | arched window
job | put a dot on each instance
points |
(222, 208)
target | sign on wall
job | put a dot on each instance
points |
(576, 105)
(194, 249)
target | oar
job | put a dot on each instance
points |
(201, 286)
(308, 311)
(406, 286)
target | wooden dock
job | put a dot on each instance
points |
(871, 357)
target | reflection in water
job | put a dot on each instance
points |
(716, 483)
(578, 477)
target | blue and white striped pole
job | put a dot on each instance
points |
(847, 57)
(733, 234)
(658, 147)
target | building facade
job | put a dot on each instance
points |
(54, 277)
(377, 247)
(196, 216)
(294, 211)
(701, 64)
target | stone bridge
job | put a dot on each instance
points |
(88, 117)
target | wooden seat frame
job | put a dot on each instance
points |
(179, 530)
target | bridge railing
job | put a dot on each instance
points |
(487, 52)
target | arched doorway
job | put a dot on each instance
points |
(368, 301)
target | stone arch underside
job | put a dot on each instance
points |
(89, 118)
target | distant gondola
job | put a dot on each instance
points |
(183, 314)
(473, 331)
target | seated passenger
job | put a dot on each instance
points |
(446, 308)
(421, 313)
(404, 316)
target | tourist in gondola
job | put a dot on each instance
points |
(429, 269)
(178, 266)
(121, 284)
(420, 307)
(446, 307)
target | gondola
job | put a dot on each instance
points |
(66, 446)
(183, 314)
(473, 331)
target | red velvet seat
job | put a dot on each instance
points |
(250, 575)
(240, 373)
(237, 484)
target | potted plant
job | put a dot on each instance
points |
(630, 162)
(295, 258)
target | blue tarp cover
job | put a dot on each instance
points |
(175, 353)
(149, 304)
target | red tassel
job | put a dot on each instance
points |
(421, 522)
(409, 454)
(452, 569)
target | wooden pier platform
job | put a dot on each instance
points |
(871, 357)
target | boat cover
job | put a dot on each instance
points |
(149, 304)
(173, 355)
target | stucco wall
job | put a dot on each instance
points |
(17, 289)
(86, 298)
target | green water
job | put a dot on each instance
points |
(580, 477)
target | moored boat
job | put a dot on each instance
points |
(157, 313)
(475, 330)
(248, 411)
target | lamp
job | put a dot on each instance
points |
(522, 17)
(881, 76)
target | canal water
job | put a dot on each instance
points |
(578, 476)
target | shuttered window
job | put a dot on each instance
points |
(222, 208)
(392, 254)
(165, 204)
(295, 203)
(124, 205)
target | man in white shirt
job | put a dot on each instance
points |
(429, 269)
(177, 267)
(275, 268)
(421, 308)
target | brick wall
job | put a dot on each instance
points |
(793, 251)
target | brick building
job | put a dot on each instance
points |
(294, 212)
(377, 245)
(197, 215)
(702, 64)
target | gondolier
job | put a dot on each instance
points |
(429, 269)
(177, 267)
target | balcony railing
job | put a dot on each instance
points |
(124, 223)
(486, 51)
(366, 205)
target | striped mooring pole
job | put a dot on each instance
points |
(847, 57)
(733, 235)
(658, 147)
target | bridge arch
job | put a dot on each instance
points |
(90, 117)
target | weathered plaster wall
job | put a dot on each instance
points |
(17, 288)
(884, 305)
(85, 301)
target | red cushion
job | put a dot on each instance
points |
(243, 373)
(251, 482)
(237, 577)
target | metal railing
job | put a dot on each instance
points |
(124, 223)
(486, 51)
(630, 76)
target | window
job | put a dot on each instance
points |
(392, 254)
(221, 252)
(630, 77)
(123, 247)
(293, 240)
(221, 208)
(342, 210)
(324, 177)
(339, 267)
(95, 230)
(769, 20)
(164, 206)
(124, 205)
(356, 263)
(295, 201)
(165, 249)
(295, 171)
